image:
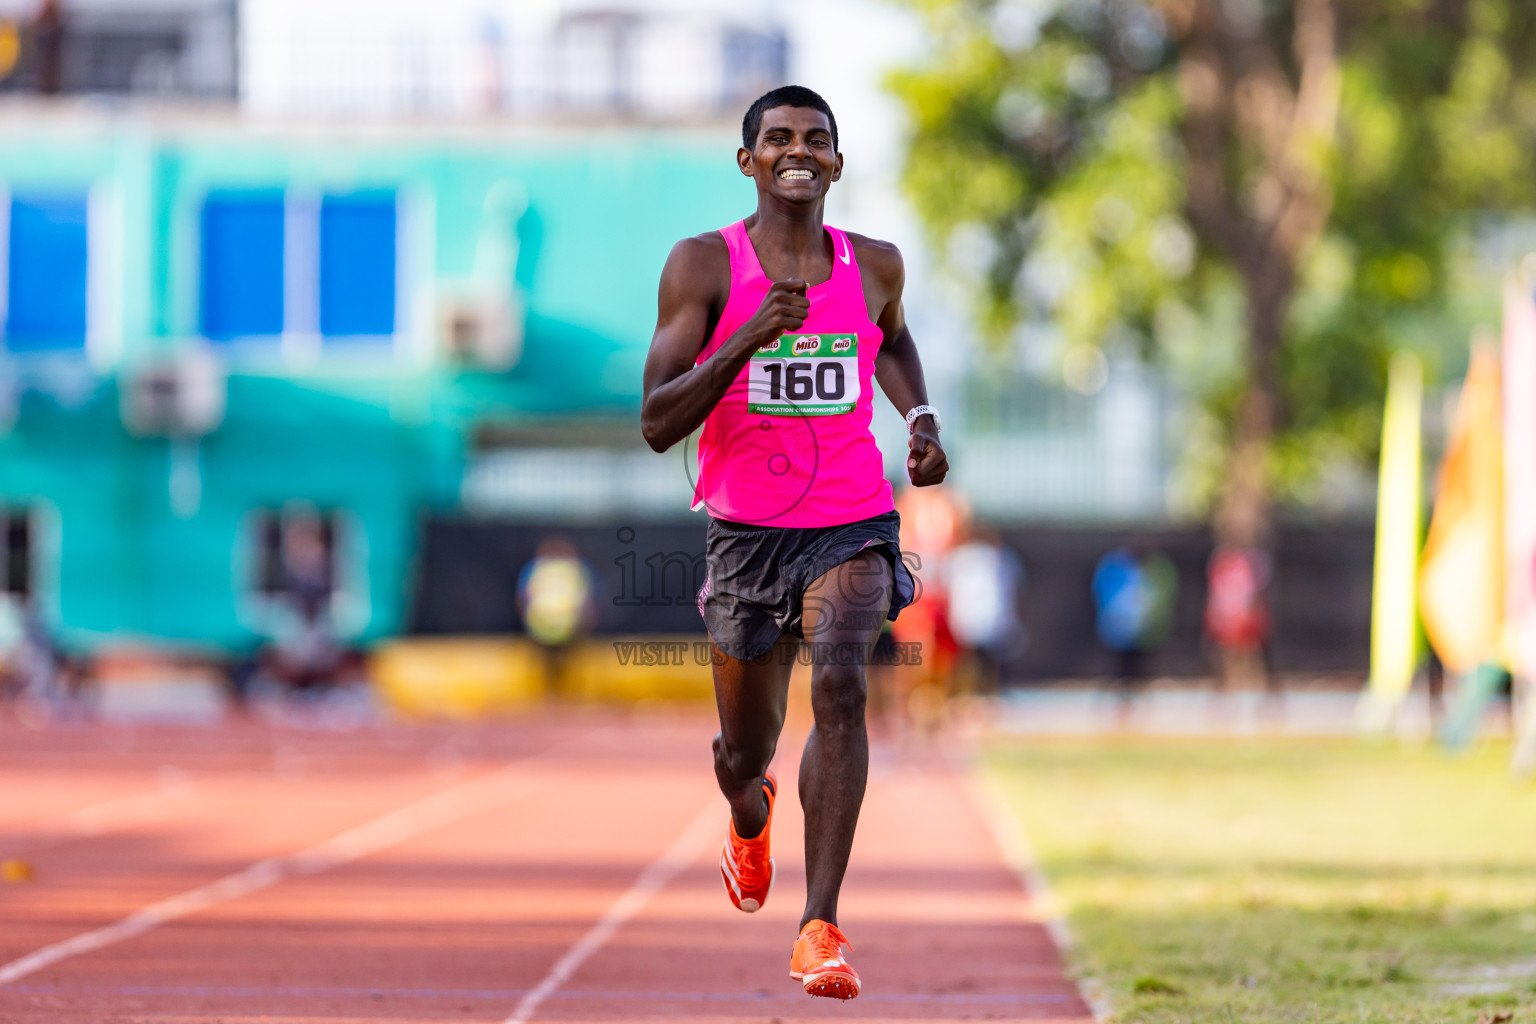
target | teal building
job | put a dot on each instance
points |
(210, 325)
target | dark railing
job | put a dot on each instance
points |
(122, 51)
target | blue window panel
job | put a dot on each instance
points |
(242, 272)
(46, 292)
(357, 264)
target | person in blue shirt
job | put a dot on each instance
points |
(1134, 592)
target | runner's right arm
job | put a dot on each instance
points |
(678, 394)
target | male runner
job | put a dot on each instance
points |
(768, 334)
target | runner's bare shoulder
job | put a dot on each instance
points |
(699, 269)
(882, 261)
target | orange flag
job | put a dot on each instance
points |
(1461, 576)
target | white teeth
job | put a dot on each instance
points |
(795, 175)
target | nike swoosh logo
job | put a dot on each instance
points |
(846, 256)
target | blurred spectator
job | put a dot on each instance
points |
(932, 520)
(47, 33)
(984, 579)
(33, 667)
(1237, 618)
(1135, 589)
(555, 597)
(304, 652)
(307, 574)
(307, 656)
(881, 709)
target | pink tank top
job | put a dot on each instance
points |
(790, 444)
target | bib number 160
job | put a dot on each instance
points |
(805, 375)
(798, 381)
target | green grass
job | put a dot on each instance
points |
(1268, 881)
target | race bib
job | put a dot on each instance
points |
(805, 375)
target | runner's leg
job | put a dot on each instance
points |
(751, 697)
(844, 611)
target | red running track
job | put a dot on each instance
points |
(556, 868)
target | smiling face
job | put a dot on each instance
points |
(794, 158)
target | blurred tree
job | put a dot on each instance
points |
(1263, 196)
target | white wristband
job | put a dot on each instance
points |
(923, 410)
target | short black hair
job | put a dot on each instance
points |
(783, 96)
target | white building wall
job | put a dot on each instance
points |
(473, 58)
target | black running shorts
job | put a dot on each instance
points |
(757, 577)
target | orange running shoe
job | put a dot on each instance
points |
(744, 863)
(817, 962)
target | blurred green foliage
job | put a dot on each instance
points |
(1048, 156)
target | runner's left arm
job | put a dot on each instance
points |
(900, 371)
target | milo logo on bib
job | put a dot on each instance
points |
(805, 375)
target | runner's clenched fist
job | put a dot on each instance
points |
(783, 310)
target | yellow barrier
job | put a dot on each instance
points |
(628, 669)
(458, 677)
(468, 677)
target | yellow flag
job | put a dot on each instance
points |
(1461, 578)
(1394, 606)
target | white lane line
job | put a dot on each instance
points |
(425, 815)
(648, 883)
(991, 802)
